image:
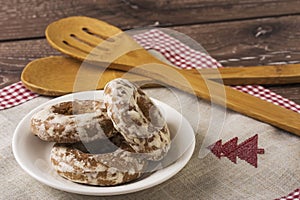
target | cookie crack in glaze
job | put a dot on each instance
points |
(136, 117)
(72, 121)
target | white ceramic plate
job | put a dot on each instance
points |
(33, 155)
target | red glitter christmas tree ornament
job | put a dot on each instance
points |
(246, 150)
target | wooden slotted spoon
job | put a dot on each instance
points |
(78, 37)
(98, 42)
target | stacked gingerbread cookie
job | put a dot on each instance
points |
(104, 142)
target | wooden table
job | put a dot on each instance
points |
(237, 33)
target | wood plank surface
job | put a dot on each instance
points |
(28, 19)
(248, 42)
(233, 43)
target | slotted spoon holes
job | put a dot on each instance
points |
(110, 37)
(89, 42)
(80, 51)
(84, 46)
(101, 42)
(89, 53)
(90, 39)
(88, 31)
(104, 49)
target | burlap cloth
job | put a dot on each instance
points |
(278, 171)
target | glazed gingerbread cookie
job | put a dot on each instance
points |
(72, 121)
(73, 162)
(137, 118)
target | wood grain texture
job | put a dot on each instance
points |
(28, 19)
(250, 42)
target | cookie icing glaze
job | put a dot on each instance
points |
(136, 117)
(106, 169)
(73, 121)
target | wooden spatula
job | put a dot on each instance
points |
(78, 37)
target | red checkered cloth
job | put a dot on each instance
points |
(292, 196)
(14, 95)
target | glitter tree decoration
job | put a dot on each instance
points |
(246, 150)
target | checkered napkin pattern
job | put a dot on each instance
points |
(292, 196)
(14, 95)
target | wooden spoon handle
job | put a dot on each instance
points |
(251, 106)
(224, 95)
(258, 75)
(280, 74)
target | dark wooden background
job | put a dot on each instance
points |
(235, 32)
